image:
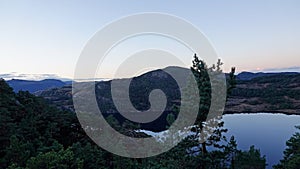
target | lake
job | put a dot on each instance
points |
(267, 132)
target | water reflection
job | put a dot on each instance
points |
(268, 132)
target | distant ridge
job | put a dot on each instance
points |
(241, 76)
(34, 86)
(251, 75)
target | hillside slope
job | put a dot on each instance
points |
(276, 93)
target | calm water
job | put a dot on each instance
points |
(268, 132)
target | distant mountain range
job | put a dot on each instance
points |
(255, 92)
(250, 75)
(34, 86)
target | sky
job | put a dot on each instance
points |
(47, 37)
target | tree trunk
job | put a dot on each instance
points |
(204, 150)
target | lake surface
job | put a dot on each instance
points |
(267, 132)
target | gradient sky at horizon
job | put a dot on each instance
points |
(46, 37)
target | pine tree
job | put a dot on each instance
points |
(291, 158)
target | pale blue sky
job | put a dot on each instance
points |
(39, 37)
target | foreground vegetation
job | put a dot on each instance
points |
(291, 158)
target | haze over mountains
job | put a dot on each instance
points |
(34, 77)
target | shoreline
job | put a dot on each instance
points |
(260, 112)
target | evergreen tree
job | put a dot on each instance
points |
(201, 72)
(251, 159)
(291, 158)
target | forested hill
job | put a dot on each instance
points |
(256, 92)
(276, 93)
(29, 128)
(34, 135)
(140, 89)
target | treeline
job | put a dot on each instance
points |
(270, 86)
